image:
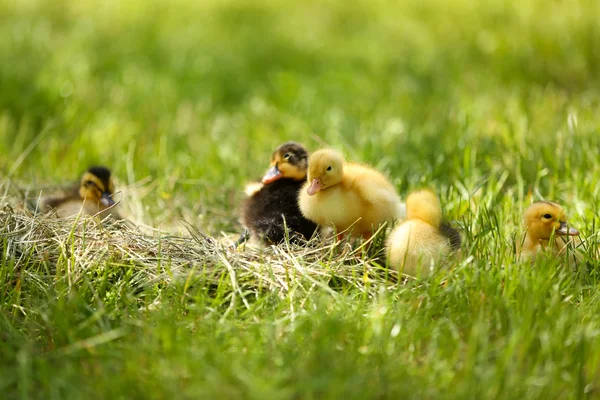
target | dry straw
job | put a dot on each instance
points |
(71, 248)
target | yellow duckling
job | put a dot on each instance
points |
(423, 239)
(547, 230)
(340, 195)
(93, 196)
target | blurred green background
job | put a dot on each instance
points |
(195, 95)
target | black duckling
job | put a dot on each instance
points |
(92, 196)
(271, 211)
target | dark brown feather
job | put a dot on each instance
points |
(55, 201)
(451, 234)
(274, 208)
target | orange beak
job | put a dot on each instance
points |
(314, 187)
(272, 175)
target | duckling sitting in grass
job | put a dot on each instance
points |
(93, 196)
(271, 211)
(547, 231)
(423, 238)
(346, 195)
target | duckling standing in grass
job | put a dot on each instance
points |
(271, 212)
(343, 195)
(547, 230)
(93, 196)
(423, 238)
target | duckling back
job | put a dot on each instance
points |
(418, 243)
(362, 200)
(70, 206)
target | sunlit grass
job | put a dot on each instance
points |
(493, 104)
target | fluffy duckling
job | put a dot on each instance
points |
(272, 208)
(341, 195)
(547, 230)
(423, 238)
(93, 196)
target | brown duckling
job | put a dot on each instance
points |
(341, 195)
(547, 230)
(423, 239)
(92, 197)
(271, 211)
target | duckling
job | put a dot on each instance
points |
(93, 196)
(547, 230)
(423, 238)
(272, 209)
(341, 195)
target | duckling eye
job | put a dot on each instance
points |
(287, 156)
(547, 216)
(329, 168)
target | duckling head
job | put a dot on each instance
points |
(325, 169)
(97, 186)
(544, 219)
(289, 160)
(424, 205)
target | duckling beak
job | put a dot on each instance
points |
(314, 187)
(272, 175)
(567, 230)
(106, 200)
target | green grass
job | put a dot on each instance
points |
(492, 104)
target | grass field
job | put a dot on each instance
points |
(493, 104)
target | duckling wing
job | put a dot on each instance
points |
(272, 213)
(375, 189)
(59, 199)
(70, 208)
(571, 246)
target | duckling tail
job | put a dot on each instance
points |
(424, 205)
(451, 234)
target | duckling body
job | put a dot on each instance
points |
(271, 212)
(92, 197)
(68, 207)
(343, 195)
(423, 239)
(547, 231)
